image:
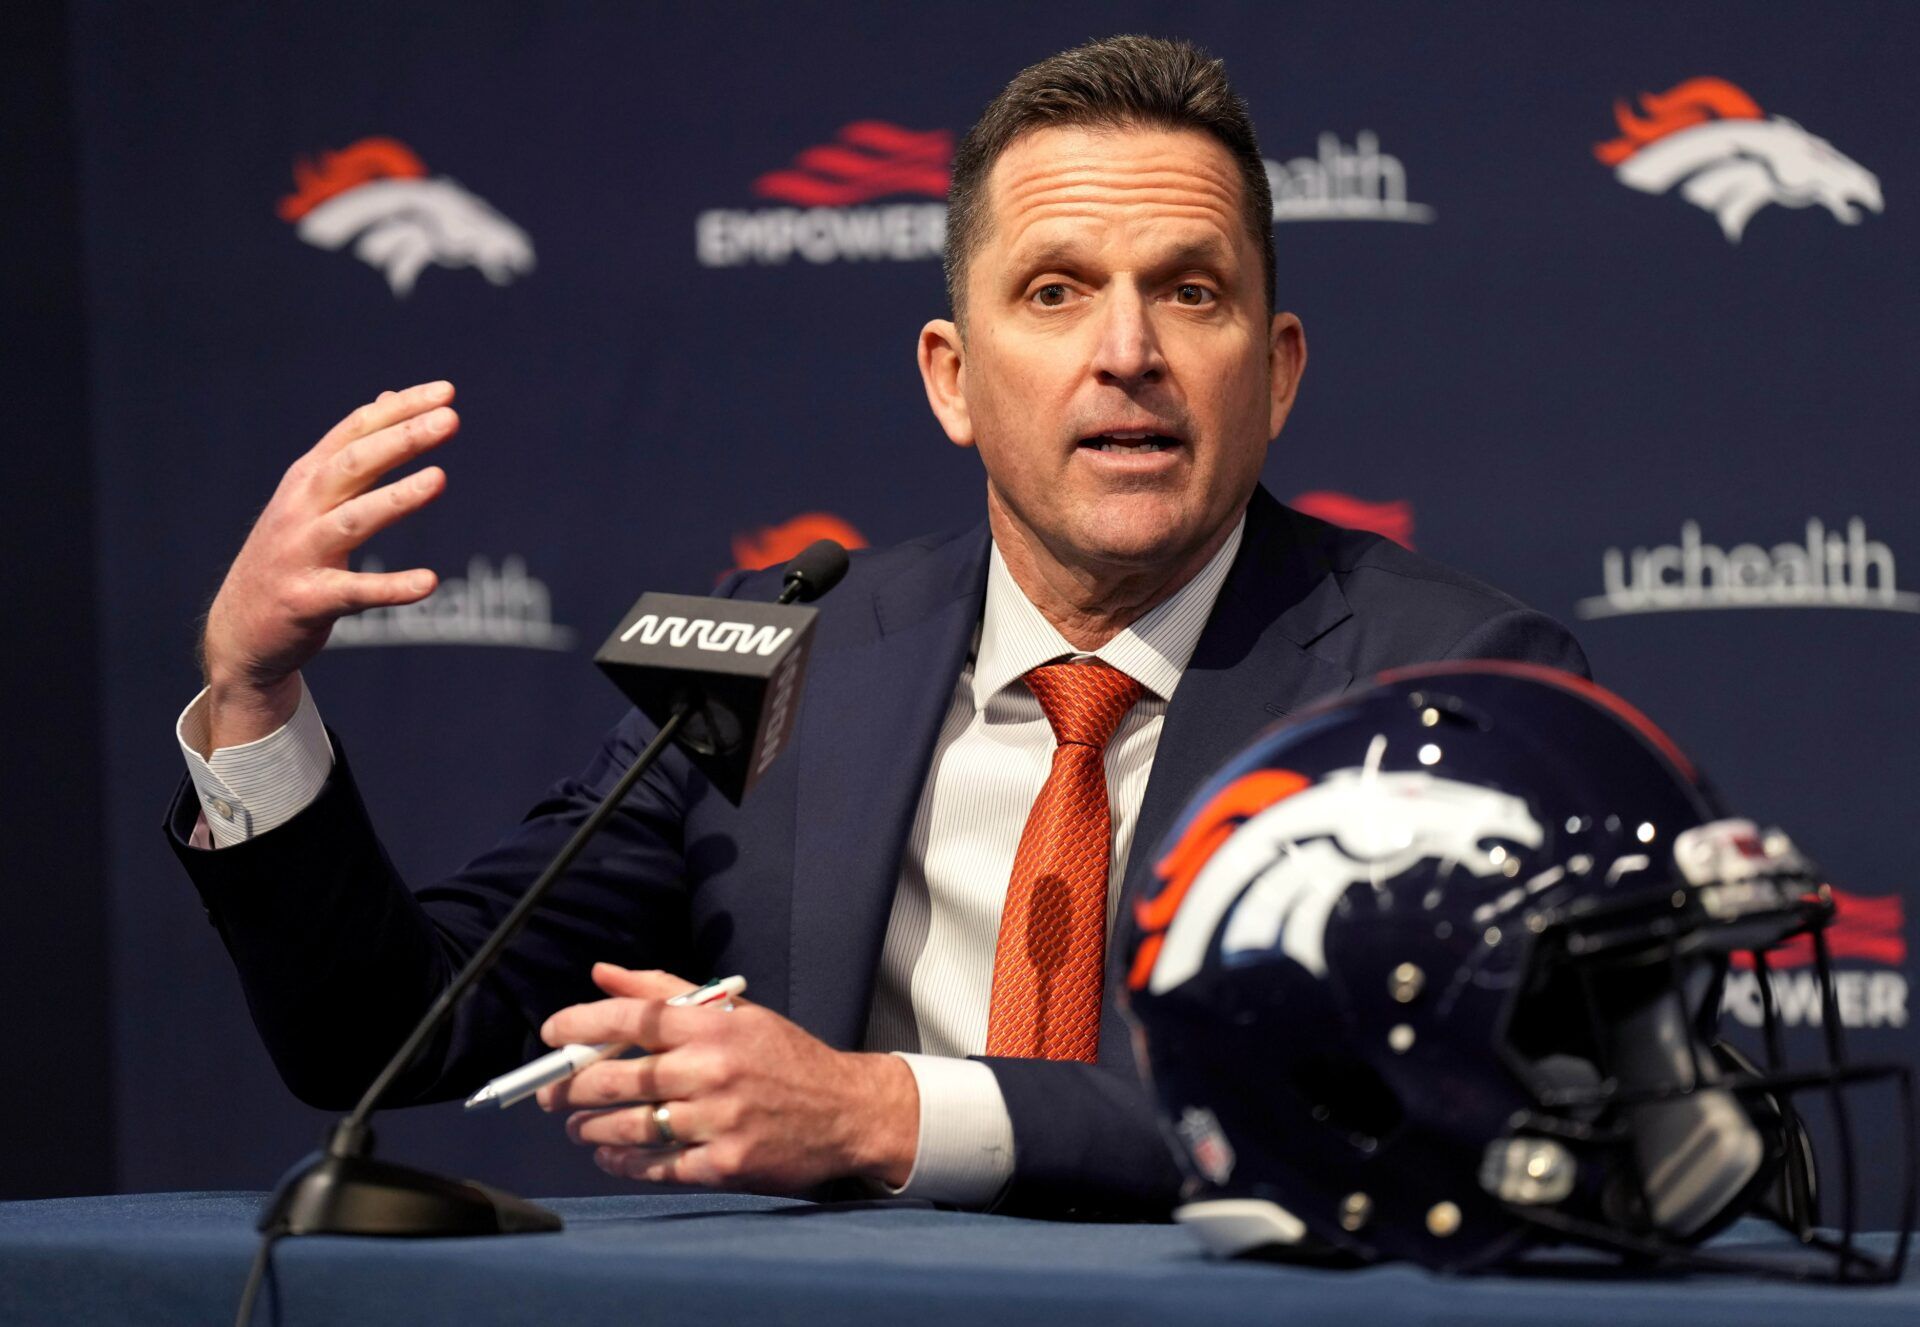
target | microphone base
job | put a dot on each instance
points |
(358, 1195)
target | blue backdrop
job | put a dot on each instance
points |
(1608, 304)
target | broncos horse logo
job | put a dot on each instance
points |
(1709, 138)
(376, 194)
(773, 544)
(1271, 854)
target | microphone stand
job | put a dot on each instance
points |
(343, 1189)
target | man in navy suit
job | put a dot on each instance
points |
(997, 728)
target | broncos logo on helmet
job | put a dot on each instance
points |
(1276, 853)
(376, 195)
(1709, 138)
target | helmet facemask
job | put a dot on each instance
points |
(1667, 1134)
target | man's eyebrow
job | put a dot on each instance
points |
(1210, 251)
(1048, 253)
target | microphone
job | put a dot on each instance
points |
(816, 569)
(731, 666)
(720, 676)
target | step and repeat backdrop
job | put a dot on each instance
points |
(1609, 304)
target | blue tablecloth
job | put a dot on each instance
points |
(707, 1260)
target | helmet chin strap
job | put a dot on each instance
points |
(1696, 1152)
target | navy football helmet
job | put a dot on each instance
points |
(1434, 973)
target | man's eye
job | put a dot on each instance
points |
(1190, 293)
(1053, 295)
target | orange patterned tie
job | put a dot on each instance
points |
(1049, 963)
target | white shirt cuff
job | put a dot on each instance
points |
(250, 789)
(965, 1154)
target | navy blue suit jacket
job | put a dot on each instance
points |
(794, 888)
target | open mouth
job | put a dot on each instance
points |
(1129, 443)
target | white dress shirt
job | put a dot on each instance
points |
(993, 754)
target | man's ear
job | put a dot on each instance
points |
(943, 369)
(1286, 361)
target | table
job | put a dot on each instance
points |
(704, 1260)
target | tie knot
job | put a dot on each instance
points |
(1083, 702)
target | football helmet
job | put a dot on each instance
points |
(1434, 971)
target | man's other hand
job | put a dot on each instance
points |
(290, 582)
(753, 1102)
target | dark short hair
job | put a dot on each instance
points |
(1122, 82)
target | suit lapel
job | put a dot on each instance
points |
(871, 716)
(1250, 668)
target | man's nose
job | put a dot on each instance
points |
(1128, 351)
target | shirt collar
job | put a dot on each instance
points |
(1153, 651)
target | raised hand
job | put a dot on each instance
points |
(290, 582)
(752, 1101)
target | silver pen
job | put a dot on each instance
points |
(560, 1065)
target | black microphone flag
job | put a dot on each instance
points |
(735, 666)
